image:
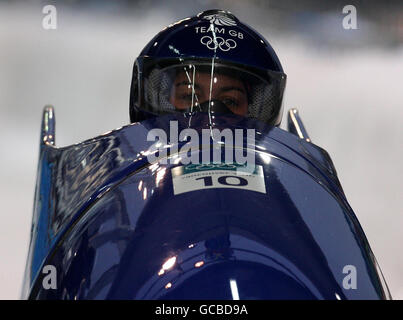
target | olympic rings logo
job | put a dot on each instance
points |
(223, 44)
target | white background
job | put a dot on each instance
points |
(351, 102)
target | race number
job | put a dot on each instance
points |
(209, 176)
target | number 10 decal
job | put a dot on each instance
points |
(209, 179)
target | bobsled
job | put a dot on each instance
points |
(108, 223)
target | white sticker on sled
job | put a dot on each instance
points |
(185, 180)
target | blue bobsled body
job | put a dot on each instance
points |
(116, 226)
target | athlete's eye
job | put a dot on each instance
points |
(230, 102)
(186, 97)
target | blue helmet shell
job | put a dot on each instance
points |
(212, 34)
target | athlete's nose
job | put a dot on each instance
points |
(215, 106)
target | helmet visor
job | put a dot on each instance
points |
(191, 86)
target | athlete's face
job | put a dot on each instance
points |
(229, 90)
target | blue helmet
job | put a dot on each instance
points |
(211, 60)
